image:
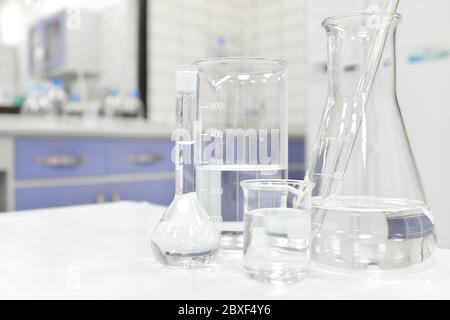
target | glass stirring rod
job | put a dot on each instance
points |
(348, 135)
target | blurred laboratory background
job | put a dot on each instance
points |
(87, 90)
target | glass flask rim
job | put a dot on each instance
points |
(331, 21)
(280, 65)
(271, 184)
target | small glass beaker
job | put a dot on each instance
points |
(278, 229)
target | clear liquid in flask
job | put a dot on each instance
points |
(359, 232)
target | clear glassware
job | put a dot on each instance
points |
(112, 103)
(186, 236)
(242, 131)
(368, 189)
(278, 229)
(75, 106)
(57, 97)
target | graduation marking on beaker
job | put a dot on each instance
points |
(214, 106)
(345, 138)
(335, 175)
(215, 191)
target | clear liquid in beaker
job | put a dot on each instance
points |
(363, 231)
(219, 191)
(277, 244)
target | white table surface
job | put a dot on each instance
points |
(103, 252)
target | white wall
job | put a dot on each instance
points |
(186, 31)
(119, 45)
(182, 32)
(15, 17)
(278, 29)
(424, 97)
(8, 70)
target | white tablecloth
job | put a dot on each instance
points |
(103, 252)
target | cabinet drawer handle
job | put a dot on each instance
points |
(100, 197)
(62, 161)
(144, 159)
(116, 196)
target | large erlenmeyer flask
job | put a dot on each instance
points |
(368, 189)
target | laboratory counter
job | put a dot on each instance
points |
(26, 126)
(103, 252)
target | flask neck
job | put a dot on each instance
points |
(360, 53)
(186, 115)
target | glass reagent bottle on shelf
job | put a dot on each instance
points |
(57, 97)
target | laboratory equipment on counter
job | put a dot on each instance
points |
(57, 97)
(65, 42)
(186, 236)
(112, 103)
(75, 106)
(132, 106)
(371, 201)
(36, 102)
(242, 134)
(31, 104)
(278, 229)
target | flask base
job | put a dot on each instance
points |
(406, 253)
(379, 235)
(278, 277)
(184, 260)
(232, 240)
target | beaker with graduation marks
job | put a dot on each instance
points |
(241, 134)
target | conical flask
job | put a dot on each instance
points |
(368, 190)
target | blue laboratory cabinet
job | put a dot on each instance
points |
(297, 158)
(59, 196)
(55, 172)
